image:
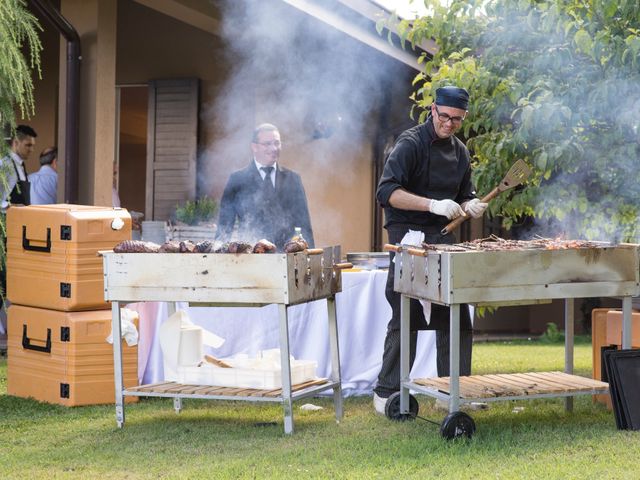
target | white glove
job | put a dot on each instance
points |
(446, 208)
(475, 207)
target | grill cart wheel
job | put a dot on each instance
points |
(392, 408)
(456, 425)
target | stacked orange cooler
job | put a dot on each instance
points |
(58, 320)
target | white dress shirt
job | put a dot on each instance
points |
(7, 168)
(263, 174)
(44, 186)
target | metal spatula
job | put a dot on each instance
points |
(516, 175)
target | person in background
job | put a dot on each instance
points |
(265, 199)
(115, 197)
(17, 189)
(44, 182)
(426, 183)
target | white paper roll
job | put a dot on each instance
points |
(190, 351)
(182, 344)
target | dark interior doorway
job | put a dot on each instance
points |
(132, 146)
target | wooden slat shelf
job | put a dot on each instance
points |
(175, 388)
(517, 385)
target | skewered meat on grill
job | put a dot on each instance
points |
(221, 248)
(204, 247)
(136, 246)
(172, 246)
(293, 246)
(240, 247)
(187, 246)
(495, 243)
(264, 246)
(444, 247)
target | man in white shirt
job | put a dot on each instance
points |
(12, 167)
(44, 182)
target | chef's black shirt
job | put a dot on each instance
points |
(426, 165)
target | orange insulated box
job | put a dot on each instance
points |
(63, 357)
(52, 254)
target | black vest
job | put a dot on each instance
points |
(21, 193)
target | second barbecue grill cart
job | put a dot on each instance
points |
(509, 276)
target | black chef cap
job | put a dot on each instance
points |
(451, 96)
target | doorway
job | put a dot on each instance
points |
(131, 161)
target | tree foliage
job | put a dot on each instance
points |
(556, 83)
(19, 56)
(20, 49)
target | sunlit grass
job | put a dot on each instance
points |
(214, 439)
(529, 355)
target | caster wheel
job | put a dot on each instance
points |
(457, 424)
(392, 408)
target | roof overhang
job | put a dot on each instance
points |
(356, 18)
(185, 13)
(369, 36)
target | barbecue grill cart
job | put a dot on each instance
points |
(452, 276)
(228, 280)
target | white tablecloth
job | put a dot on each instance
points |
(362, 313)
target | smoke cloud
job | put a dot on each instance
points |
(317, 84)
(583, 114)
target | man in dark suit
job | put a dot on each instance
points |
(265, 199)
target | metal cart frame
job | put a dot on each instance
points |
(119, 279)
(443, 278)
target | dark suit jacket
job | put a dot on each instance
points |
(260, 214)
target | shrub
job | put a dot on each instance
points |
(552, 334)
(192, 212)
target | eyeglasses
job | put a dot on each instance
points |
(275, 143)
(446, 118)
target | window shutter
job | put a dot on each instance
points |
(171, 145)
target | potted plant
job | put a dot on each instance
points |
(194, 220)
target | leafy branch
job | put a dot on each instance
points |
(556, 83)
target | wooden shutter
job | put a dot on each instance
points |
(171, 145)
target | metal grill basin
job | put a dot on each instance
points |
(222, 278)
(518, 275)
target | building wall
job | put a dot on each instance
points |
(94, 21)
(45, 84)
(336, 171)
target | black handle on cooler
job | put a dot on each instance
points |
(26, 243)
(26, 341)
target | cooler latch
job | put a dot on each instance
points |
(65, 290)
(64, 390)
(65, 232)
(65, 334)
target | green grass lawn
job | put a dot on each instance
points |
(214, 439)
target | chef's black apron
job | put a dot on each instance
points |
(444, 180)
(439, 313)
(21, 193)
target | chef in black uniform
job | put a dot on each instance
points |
(13, 169)
(425, 184)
